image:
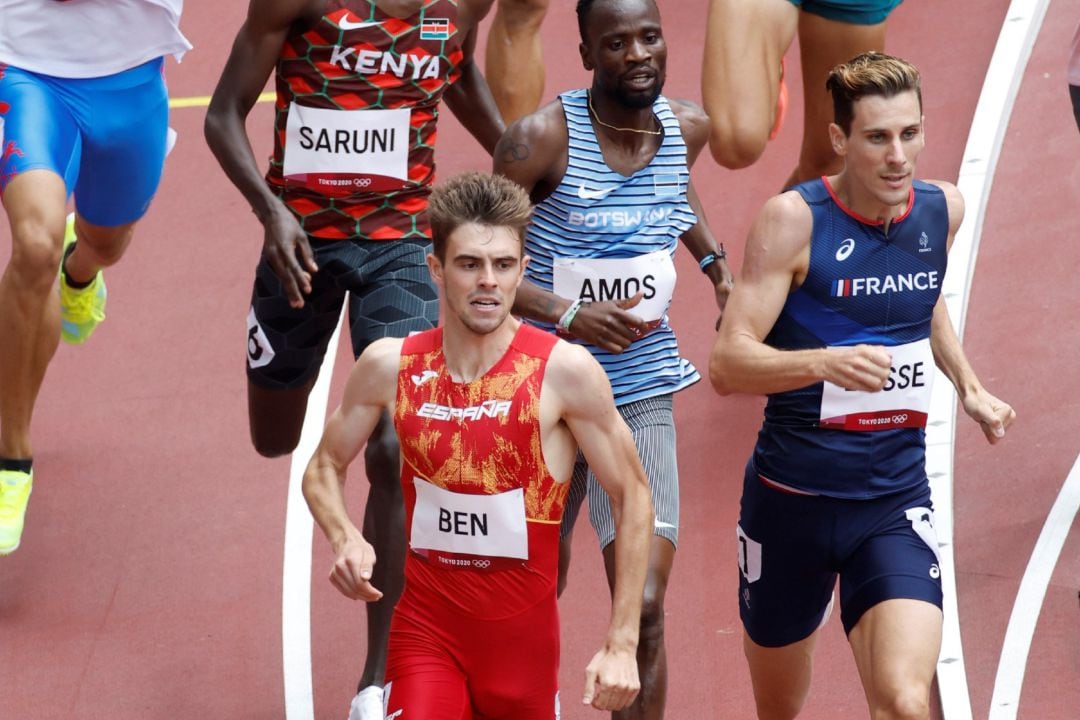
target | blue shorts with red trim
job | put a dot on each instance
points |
(106, 136)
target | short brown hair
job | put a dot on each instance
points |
(479, 198)
(870, 73)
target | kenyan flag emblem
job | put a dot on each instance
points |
(435, 29)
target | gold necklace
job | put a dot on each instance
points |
(588, 95)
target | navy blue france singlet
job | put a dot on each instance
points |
(863, 285)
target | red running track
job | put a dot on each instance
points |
(149, 580)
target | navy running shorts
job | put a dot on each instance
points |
(793, 546)
(390, 291)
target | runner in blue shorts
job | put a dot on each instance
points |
(838, 317)
(83, 111)
(742, 78)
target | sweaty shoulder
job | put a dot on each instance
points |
(780, 237)
(373, 379)
(381, 358)
(786, 217)
(953, 200)
(575, 375)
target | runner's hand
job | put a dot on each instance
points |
(608, 325)
(351, 573)
(992, 414)
(611, 680)
(286, 248)
(861, 367)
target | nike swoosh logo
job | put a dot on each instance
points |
(661, 524)
(586, 194)
(346, 24)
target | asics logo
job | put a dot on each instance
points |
(423, 377)
(845, 249)
(586, 194)
(346, 24)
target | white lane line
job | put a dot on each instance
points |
(1000, 85)
(1029, 600)
(296, 574)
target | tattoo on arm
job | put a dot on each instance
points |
(514, 152)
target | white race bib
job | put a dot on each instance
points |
(903, 402)
(353, 150)
(486, 525)
(600, 279)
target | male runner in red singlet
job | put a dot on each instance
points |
(491, 414)
(343, 204)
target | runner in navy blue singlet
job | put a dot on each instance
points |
(838, 318)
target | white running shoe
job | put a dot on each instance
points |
(368, 704)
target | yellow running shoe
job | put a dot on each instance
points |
(80, 310)
(15, 489)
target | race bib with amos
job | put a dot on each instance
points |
(600, 279)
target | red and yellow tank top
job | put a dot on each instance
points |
(355, 120)
(482, 509)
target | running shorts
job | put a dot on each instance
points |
(793, 546)
(856, 12)
(445, 666)
(652, 426)
(105, 136)
(391, 294)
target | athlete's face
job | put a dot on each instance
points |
(480, 276)
(625, 49)
(880, 153)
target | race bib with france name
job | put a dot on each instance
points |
(337, 152)
(600, 279)
(902, 403)
(487, 526)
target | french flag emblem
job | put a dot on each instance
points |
(842, 288)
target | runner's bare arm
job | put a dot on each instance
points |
(694, 127)
(370, 390)
(253, 57)
(774, 264)
(469, 97)
(533, 153)
(992, 414)
(588, 409)
(700, 241)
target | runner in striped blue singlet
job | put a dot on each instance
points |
(608, 169)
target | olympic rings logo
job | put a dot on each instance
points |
(362, 182)
(482, 564)
(899, 419)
